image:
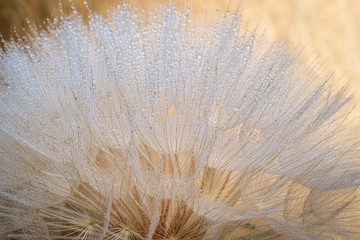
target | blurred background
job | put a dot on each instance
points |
(329, 29)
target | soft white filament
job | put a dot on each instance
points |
(165, 128)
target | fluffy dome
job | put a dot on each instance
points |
(162, 127)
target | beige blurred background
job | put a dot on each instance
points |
(329, 29)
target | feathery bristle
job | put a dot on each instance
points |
(168, 128)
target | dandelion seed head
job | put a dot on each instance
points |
(167, 128)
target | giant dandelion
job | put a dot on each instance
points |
(163, 127)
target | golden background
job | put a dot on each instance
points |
(329, 29)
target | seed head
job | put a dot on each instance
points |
(167, 128)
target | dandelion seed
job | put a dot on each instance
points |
(167, 128)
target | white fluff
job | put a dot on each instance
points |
(165, 128)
